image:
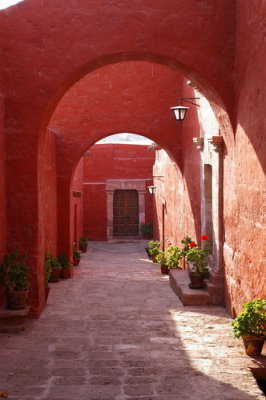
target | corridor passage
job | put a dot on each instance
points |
(117, 331)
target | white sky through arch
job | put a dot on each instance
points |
(7, 3)
(126, 138)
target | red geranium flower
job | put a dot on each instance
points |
(169, 244)
(192, 244)
(204, 237)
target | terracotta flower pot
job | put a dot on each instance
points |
(164, 269)
(153, 259)
(76, 261)
(253, 344)
(65, 273)
(16, 300)
(55, 274)
(197, 280)
(83, 247)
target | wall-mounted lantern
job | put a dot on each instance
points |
(180, 111)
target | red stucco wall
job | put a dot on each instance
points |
(2, 181)
(45, 52)
(112, 161)
(48, 190)
(2, 191)
(177, 199)
(245, 165)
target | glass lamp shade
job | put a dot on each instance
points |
(179, 112)
(151, 189)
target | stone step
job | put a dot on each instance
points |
(179, 281)
(13, 321)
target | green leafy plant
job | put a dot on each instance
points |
(198, 256)
(146, 228)
(47, 271)
(173, 255)
(83, 240)
(75, 253)
(186, 242)
(49, 258)
(252, 320)
(161, 258)
(13, 272)
(154, 247)
(63, 261)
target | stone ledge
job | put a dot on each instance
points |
(13, 321)
(179, 281)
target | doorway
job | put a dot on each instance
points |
(126, 213)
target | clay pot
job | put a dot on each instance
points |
(76, 261)
(16, 300)
(65, 273)
(83, 248)
(197, 280)
(153, 259)
(253, 344)
(164, 269)
(55, 274)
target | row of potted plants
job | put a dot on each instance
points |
(190, 256)
(14, 274)
(250, 324)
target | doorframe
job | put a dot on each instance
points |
(120, 184)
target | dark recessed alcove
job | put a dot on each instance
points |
(260, 376)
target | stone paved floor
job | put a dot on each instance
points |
(117, 331)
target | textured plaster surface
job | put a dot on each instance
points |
(244, 178)
(47, 46)
(2, 190)
(118, 332)
(177, 197)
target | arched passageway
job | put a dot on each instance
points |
(59, 45)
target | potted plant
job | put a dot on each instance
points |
(66, 267)
(83, 243)
(75, 255)
(146, 229)
(47, 276)
(14, 277)
(173, 256)
(186, 247)
(161, 259)
(153, 249)
(56, 267)
(196, 258)
(250, 325)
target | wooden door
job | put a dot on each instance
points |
(126, 213)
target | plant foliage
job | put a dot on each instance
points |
(173, 256)
(197, 255)
(50, 259)
(83, 240)
(13, 272)
(154, 247)
(252, 320)
(63, 261)
(146, 229)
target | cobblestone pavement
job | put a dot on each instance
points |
(117, 331)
